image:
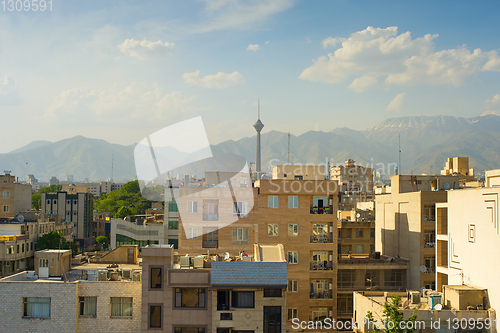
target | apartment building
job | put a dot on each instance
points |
(356, 232)
(355, 183)
(436, 312)
(101, 224)
(458, 166)
(90, 298)
(226, 296)
(74, 209)
(287, 215)
(14, 197)
(468, 234)
(405, 224)
(299, 172)
(363, 273)
(96, 189)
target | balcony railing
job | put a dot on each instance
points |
(430, 245)
(321, 266)
(210, 244)
(321, 294)
(325, 238)
(324, 210)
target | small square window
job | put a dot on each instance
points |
(192, 207)
(192, 233)
(272, 230)
(88, 306)
(293, 257)
(293, 230)
(272, 201)
(292, 314)
(293, 202)
(293, 286)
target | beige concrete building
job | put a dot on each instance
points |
(435, 312)
(299, 172)
(356, 232)
(405, 225)
(468, 234)
(14, 197)
(492, 178)
(458, 166)
(355, 183)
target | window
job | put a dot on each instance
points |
(192, 207)
(395, 277)
(346, 278)
(345, 304)
(372, 233)
(293, 286)
(347, 233)
(22, 248)
(292, 313)
(240, 236)
(155, 316)
(189, 330)
(359, 233)
(17, 248)
(293, 202)
(272, 292)
(6, 194)
(88, 306)
(223, 300)
(172, 207)
(68, 202)
(272, 201)
(174, 242)
(192, 233)
(359, 249)
(173, 225)
(340, 233)
(54, 201)
(43, 263)
(156, 278)
(36, 307)
(242, 299)
(121, 306)
(240, 209)
(272, 230)
(293, 230)
(6, 209)
(31, 246)
(9, 249)
(293, 257)
(75, 202)
(189, 297)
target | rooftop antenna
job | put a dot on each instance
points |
(399, 164)
(288, 154)
(112, 165)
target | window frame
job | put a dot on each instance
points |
(295, 255)
(200, 291)
(6, 194)
(273, 229)
(272, 201)
(192, 207)
(294, 231)
(234, 300)
(290, 314)
(82, 300)
(239, 237)
(151, 268)
(240, 209)
(273, 292)
(121, 302)
(172, 225)
(291, 285)
(359, 233)
(161, 317)
(191, 232)
(292, 200)
(36, 301)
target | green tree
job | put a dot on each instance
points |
(36, 198)
(123, 211)
(103, 240)
(53, 241)
(392, 319)
(129, 196)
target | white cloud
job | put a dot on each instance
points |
(146, 50)
(398, 59)
(217, 81)
(253, 47)
(240, 14)
(9, 95)
(360, 84)
(267, 42)
(396, 104)
(118, 105)
(492, 106)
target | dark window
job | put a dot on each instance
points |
(189, 297)
(223, 330)
(222, 300)
(243, 299)
(226, 316)
(155, 316)
(189, 330)
(174, 242)
(272, 319)
(272, 292)
(88, 306)
(156, 278)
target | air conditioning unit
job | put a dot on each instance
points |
(102, 275)
(137, 276)
(126, 273)
(426, 292)
(414, 297)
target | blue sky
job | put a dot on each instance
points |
(119, 70)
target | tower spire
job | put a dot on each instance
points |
(258, 127)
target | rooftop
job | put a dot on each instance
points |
(249, 273)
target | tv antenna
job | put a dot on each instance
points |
(288, 154)
(399, 143)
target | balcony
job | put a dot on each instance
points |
(320, 294)
(210, 244)
(429, 245)
(323, 210)
(325, 238)
(321, 266)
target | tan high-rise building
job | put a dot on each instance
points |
(14, 197)
(458, 166)
(355, 183)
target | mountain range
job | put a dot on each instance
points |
(425, 142)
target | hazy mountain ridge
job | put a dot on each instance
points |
(426, 142)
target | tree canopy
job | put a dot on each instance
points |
(392, 319)
(128, 199)
(103, 240)
(53, 241)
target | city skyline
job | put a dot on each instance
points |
(119, 71)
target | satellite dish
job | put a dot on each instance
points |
(226, 255)
(20, 218)
(358, 215)
(446, 186)
(438, 307)
(423, 269)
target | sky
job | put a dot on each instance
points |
(121, 70)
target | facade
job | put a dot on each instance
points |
(467, 236)
(355, 183)
(299, 172)
(356, 232)
(458, 166)
(14, 197)
(405, 226)
(73, 209)
(492, 178)
(101, 225)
